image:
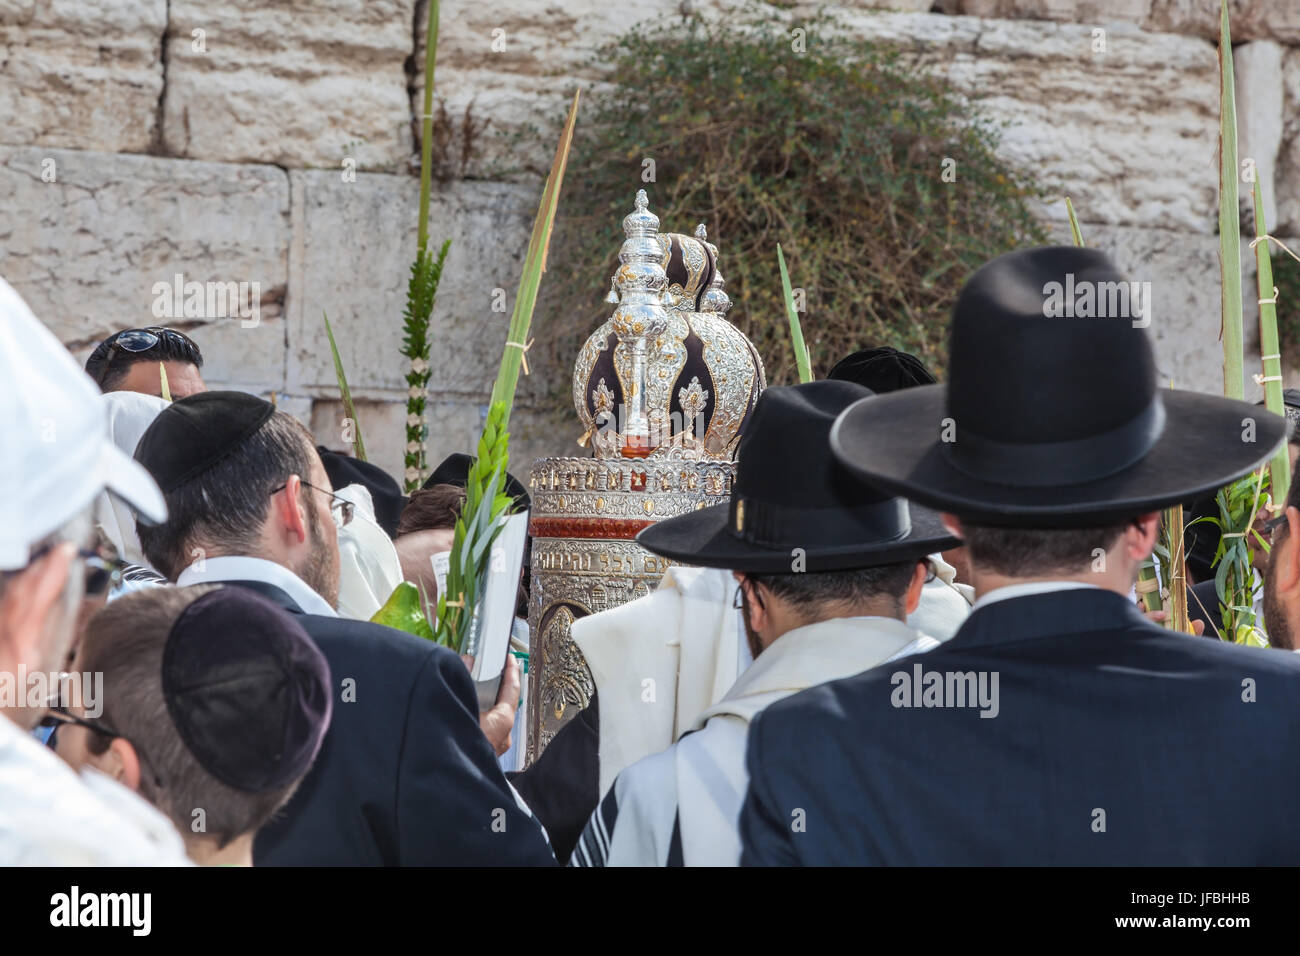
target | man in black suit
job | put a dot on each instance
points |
(1058, 726)
(405, 776)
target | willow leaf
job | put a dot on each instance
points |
(1074, 223)
(349, 408)
(796, 329)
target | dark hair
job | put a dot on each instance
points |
(432, 509)
(436, 508)
(226, 505)
(108, 365)
(125, 643)
(1017, 552)
(809, 591)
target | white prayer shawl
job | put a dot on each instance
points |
(658, 662)
(369, 570)
(944, 605)
(700, 782)
(129, 415)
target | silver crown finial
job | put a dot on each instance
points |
(639, 316)
(714, 300)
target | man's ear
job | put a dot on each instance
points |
(27, 603)
(952, 523)
(121, 762)
(913, 597)
(288, 512)
(757, 605)
(1140, 536)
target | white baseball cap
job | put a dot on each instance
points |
(56, 455)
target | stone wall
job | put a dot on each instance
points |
(216, 140)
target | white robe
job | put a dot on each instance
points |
(699, 783)
(52, 816)
(660, 661)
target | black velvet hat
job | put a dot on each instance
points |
(247, 689)
(197, 432)
(791, 499)
(883, 369)
(1052, 415)
(454, 470)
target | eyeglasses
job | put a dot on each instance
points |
(56, 717)
(340, 510)
(136, 341)
(1272, 525)
(738, 601)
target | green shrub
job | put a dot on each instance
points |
(837, 153)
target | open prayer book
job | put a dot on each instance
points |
(488, 641)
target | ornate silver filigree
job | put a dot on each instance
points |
(575, 572)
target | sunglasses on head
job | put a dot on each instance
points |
(136, 341)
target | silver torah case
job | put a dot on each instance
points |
(663, 390)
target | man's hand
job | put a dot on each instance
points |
(1198, 627)
(498, 722)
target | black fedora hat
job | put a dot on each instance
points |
(789, 493)
(1052, 415)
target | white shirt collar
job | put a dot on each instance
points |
(1010, 591)
(244, 568)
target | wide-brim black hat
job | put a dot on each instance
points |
(793, 507)
(1052, 416)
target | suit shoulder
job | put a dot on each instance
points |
(375, 641)
(1224, 654)
(834, 702)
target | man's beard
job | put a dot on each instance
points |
(321, 570)
(1275, 619)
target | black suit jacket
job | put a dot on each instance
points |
(405, 775)
(1186, 751)
(562, 786)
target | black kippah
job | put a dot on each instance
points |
(882, 369)
(195, 433)
(247, 689)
